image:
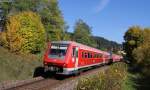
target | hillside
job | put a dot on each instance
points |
(16, 67)
(103, 43)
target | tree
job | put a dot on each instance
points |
(82, 33)
(4, 8)
(146, 35)
(104, 44)
(10, 7)
(142, 53)
(142, 57)
(49, 12)
(52, 19)
(24, 33)
(133, 39)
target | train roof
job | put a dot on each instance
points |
(62, 42)
(85, 47)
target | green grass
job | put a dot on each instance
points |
(17, 67)
(128, 84)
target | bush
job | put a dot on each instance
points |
(111, 79)
(142, 56)
(24, 33)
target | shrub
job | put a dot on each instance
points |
(112, 79)
(24, 33)
(142, 56)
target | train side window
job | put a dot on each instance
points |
(76, 50)
(82, 54)
(85, 55)
(91, 55)
(88, 55)
(100, 55)
(95, 55)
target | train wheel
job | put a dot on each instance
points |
(110, 61)
(39, 71)
(77, 73)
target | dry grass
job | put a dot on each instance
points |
(114, 78)
(16, 67)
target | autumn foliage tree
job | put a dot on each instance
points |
(133, 38)
(142, 53)
(24, 33)
(141, 57)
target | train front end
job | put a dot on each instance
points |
(55, 57)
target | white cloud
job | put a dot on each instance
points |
(102, 4)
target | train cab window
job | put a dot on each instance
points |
(58, 51)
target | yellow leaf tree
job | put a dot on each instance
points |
(24, 33)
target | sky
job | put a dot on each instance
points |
(108, 18)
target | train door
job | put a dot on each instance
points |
(75, 57)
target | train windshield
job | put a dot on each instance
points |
(58, 51)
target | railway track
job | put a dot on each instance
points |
(36, 85)
(53, 83)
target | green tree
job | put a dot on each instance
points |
(82, 33)
(4, 7)
(52, 19)
(10, 7)
(49, 12)
(133, 38)
(24, 33)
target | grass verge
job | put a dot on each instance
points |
(114, 78)
(17, 67)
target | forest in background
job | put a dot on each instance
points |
(15, 15)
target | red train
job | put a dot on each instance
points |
(68, 57)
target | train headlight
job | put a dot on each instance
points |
(45, 63)
(65, 65)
